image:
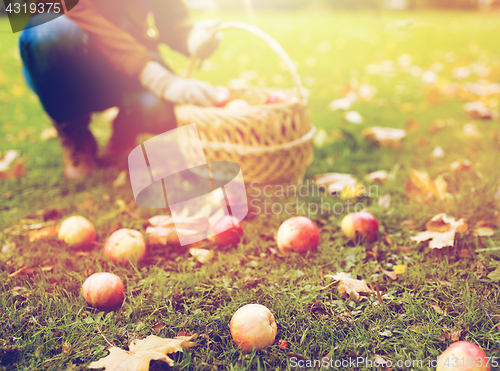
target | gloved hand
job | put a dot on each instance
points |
(204, 38)
(165, 84)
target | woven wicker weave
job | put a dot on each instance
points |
(271, 142)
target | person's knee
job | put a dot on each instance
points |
(48, 33)
(157, 115)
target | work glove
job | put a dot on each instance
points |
(204, 38)
(166, 85)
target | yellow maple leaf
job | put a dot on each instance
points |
(353, 191)
(152, 348)
(426, 186)
(441, 231)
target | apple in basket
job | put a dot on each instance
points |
(253, 327)
(227, 231)
(463, 356)
(223, 95)
(237, 104)
(125, 244)
(277, 97)
(298, 234)
(103, 290)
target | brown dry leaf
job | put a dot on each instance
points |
(393, 276)
(120, 180)
(48, 133)
(398, 270)
(423, 187)
(158, 327)
(459, 166)
(8, 159)
(67, 349)
(389, 137)
(441, 231)
(142, 352)
(379, 176)
(202, 255)
(480, 270)
(409, 224)
(437, 309)
(351, 286)
(480, 110)
(42, 233)
(465, 254)
(455, 335)
(164, 231)
(495, 275)
(335, 182)
(379, 361)
(450, 335)
(11, 165)
(483, 230)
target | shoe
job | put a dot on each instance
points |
(79, 147)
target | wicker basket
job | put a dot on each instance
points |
(271, 142)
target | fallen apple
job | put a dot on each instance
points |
(237, 104)
(223, 95)
(103, 290)
(253, 327)
(298, 234)
(77, 232)
(125, 244)
(463, 356)
(227, 231)
(277, 97)
(362, 223)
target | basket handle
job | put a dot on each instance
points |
(271, 43)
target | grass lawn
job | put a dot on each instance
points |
(444, 294)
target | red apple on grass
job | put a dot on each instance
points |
(125, 244)
(237, 104)
(253, 327)
(277, 97)
(227, 231)
(223, 96)
(298, 234)
(77, 232)
(362, 223)
(463, 356)
(103, 290)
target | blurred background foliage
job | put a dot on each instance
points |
(353, 4)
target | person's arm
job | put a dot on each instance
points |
(118, 47)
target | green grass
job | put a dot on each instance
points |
(42, 311)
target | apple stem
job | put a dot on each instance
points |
(104, 337)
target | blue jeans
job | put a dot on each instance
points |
(72, 79)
